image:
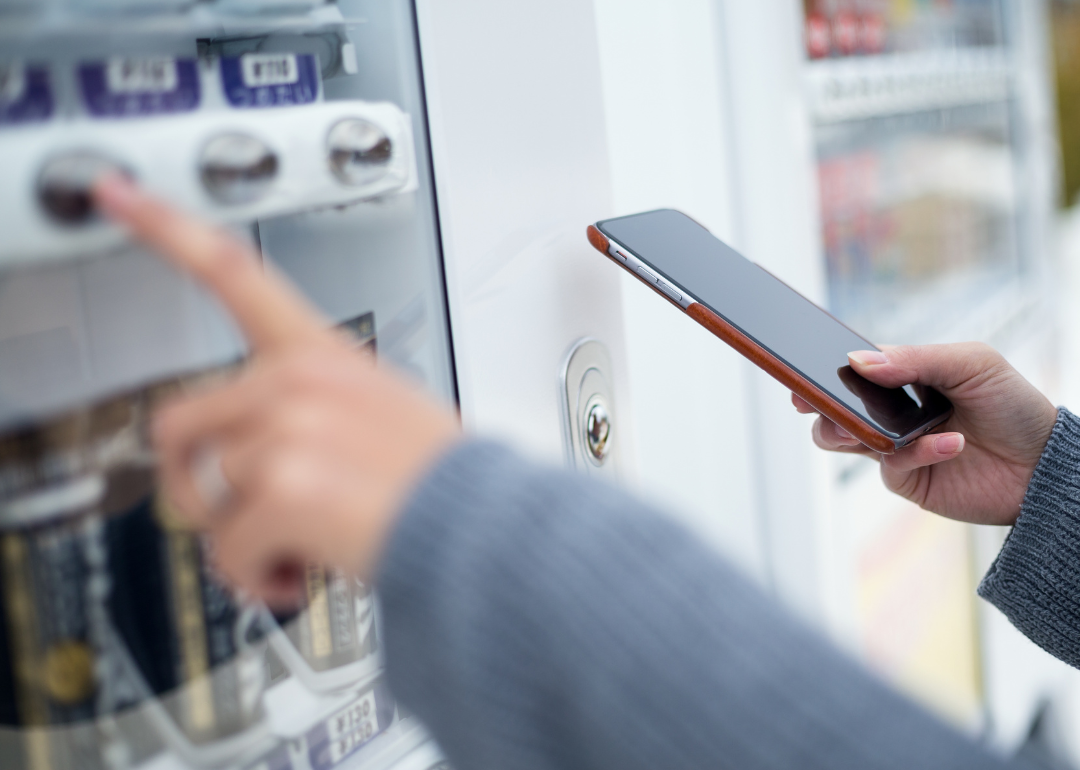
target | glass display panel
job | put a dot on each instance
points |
(919, 216)
(840, 28)
(301, 127)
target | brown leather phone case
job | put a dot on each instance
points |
(777, 369)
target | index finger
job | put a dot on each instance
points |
(268, 310)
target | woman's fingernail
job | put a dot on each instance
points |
(115, 193)
(843, 433)
(868, 357)
(949, 445)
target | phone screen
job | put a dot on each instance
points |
(777, 317)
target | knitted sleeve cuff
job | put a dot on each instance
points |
(1035, 580)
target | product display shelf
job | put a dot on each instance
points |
(202, 20)
(303, 735)
(870, 86)
(921, 193)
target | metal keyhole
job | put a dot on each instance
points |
(597, 432)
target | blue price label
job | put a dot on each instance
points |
(133, 87)
(270, 79)
(25, 94)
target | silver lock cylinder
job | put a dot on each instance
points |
(237, 168)
(597, 429)
(63, 187)
(589, 432)
(359, 152)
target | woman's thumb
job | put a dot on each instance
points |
(939, 366)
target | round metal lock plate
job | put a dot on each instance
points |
(360, 152)
(597, 430)
(63, 187)
(237, 168)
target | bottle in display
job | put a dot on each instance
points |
(841, 28)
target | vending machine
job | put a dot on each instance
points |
(424, 173)
(896, 161)
(936, 160)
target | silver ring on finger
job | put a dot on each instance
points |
(208, 476)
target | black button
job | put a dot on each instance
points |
(64, 186)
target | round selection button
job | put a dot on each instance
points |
(237, 168)
(63, 188)
(360, 152)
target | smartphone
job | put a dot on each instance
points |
(768, 322)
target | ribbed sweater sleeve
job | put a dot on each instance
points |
(1035, 580)
(537, 620)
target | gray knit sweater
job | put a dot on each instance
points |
(1035, 580)
(537, 620)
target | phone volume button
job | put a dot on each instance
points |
(668, 290)
(647, 275)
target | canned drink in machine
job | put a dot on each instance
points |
(54, 583)
(199, 651)
(331, 643)
(110, 605)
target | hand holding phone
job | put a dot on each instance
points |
(979, 471)
(875, 402)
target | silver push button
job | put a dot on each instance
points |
(237, 169)
(668, 290)
(598, 431)
(360, 152)
(647, 275)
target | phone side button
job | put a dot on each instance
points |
(669, 291)
(619, 255)
(647, 275)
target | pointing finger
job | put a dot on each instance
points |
(269, 311)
